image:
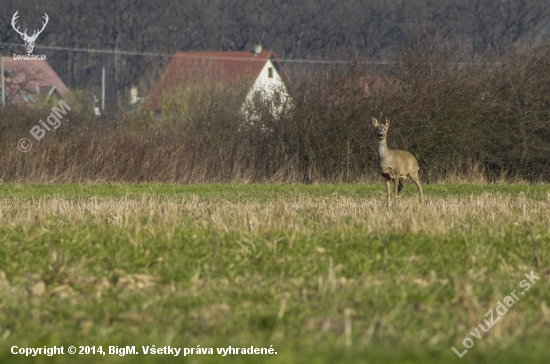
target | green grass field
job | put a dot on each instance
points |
(322, 273)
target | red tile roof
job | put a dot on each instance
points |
(30, 77)
(226, 67)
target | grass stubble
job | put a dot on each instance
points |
(322, 273)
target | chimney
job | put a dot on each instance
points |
(257, 49)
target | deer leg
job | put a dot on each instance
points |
(396, 188)
(388, 183)
(416, 181)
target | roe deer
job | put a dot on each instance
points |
(395, 165)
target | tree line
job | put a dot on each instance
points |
(305, 29)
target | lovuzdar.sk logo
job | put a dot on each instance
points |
(29, 39)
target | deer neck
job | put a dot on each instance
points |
(382, 149)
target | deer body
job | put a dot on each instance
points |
(395, 165)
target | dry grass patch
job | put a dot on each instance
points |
(440, 215)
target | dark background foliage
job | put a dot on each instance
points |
(294, 29)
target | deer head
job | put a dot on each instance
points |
(29, 41)
(381, 129)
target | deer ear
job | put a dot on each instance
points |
(375, 122)
(387, 122)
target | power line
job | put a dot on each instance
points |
(150, 54)
(93, 50)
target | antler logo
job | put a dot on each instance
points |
(29, 41)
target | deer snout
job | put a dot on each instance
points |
(380, 135)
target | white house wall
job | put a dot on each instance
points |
(268, 86)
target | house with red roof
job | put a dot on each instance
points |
(260, 70)
(28, 81)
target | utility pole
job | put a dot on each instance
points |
(3, 78)
(103, 90)
(3, 97)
